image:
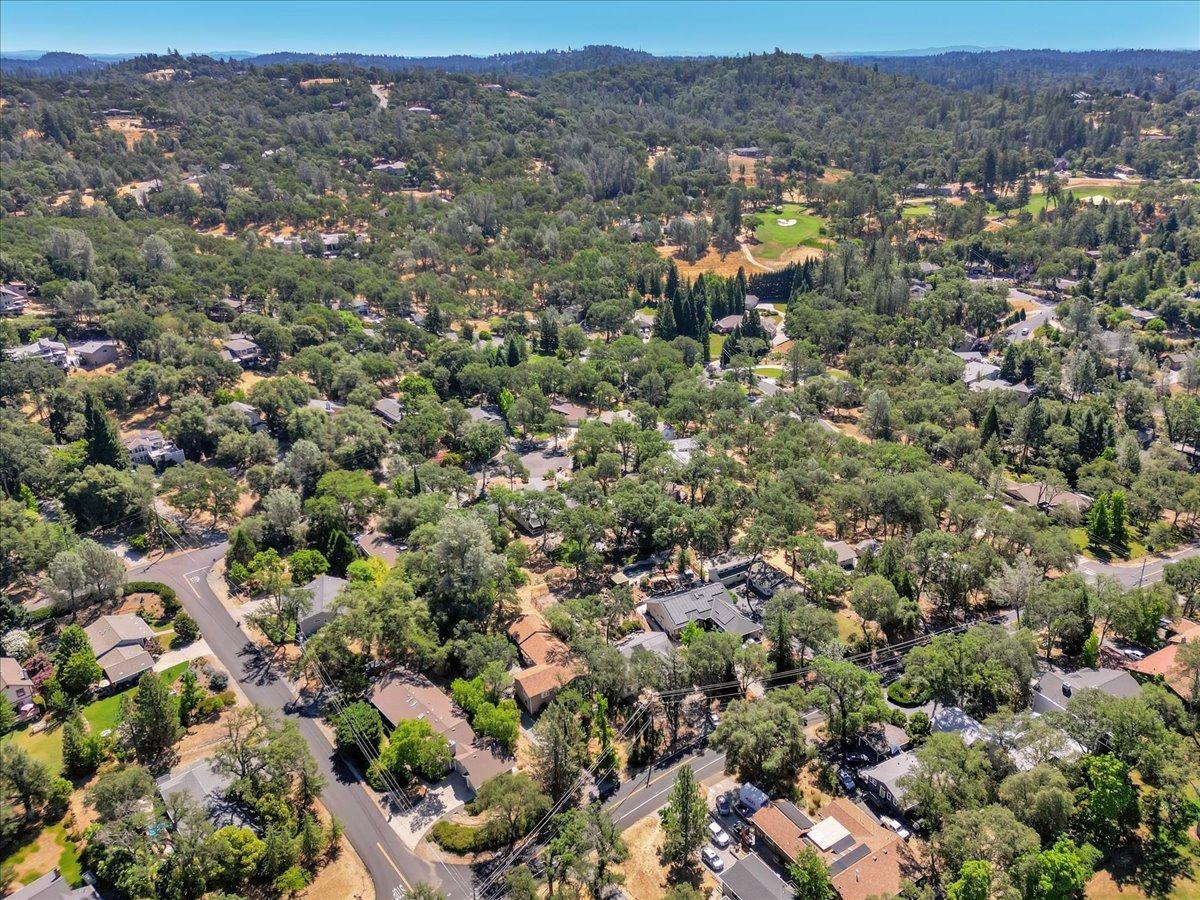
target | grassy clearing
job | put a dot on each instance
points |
(1136, 548)
(1039, 201)
(768, 371)
(34, 853)
(775, 239)
(914, 210)
(715, 343)
(44, 746)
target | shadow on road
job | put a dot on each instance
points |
(257, 665)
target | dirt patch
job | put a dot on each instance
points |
(801, 254)
(741, 169)
(133, 603)
(314, 82)
(725, 264)
(342, 878)
(131, 127)
(645, 876)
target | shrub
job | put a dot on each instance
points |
(140, 542)
(186, 629)
(905, 692)
(166, 593)
(217, 680)
(454, 838)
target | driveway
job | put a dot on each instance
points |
(393, 866)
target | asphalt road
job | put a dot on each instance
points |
(393, 867)
(1134, 574)
(643, 796)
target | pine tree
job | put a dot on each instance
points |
(739, 282)
(672, 283)
(340, 552)
(991, 426)
(665, 328)
(242, 549)
(684, 820)
(1117, 514)
(549, 335)
(104, 446)
(1099, 530)
(150, 721)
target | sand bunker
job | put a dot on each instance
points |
(785, 223)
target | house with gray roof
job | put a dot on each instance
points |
(324, 590)
(52, 886)
(884, 779)
(254, 418)
(119, 643)
(709, 605)
(1054, 690)
(93, 354)
(650, 641)
(750, 878)
(390, 410)
(208, 787)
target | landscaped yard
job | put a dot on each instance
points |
(715, 343)
(48, 848)
(912, 211)
(1136, 548)
(101, 716)
(791, 226)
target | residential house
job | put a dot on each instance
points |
(954, 720)
(726, 324)
(390, 410)
(846, 555)
(487, 413)
(548, 666)
(53, 352)
(326, 406)
(52, 886)
(254, 417)
(1054, 689)
(883, 779)
(93, 354)
(149, 447)
(208, 787)
(1164, 665)
(1022, 392)
(239, 348)
(647, 641)
(324, 590)
(394, 167)
(746, 151)
(751, 301)
(781, 826)
(403, 697)
(750, 878)
(928, 268)
(119, 643)
(16, 686)
(979, 370)
(709, 605)
(1046, 497)
(572, 412)
(730, 572)
(681, 449)
(13, 300)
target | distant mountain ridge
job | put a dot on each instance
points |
(529, 62)
(52, 63)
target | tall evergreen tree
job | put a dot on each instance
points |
(665, 328)
(104, 446)
(991, 426)
(1118, 513)
(672, 283)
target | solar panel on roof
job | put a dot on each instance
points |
(858, 853)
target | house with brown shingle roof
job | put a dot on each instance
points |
(547, 660)
(402, 697)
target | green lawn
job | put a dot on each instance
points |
(768, 371)
(1038, 201)
(68, 861)
(775, 238)
(715, 343)
(1136, 548)
(911, 211)
(46, 746)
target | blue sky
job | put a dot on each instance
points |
(437, 28)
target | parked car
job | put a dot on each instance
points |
(712, 859)
(723, 806)
(718, 835)
(846, 780)
(899, 827)
(857, 760)
(1133, 654)
(713, 720)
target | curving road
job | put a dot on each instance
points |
(393, 867)
(1135, 574)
